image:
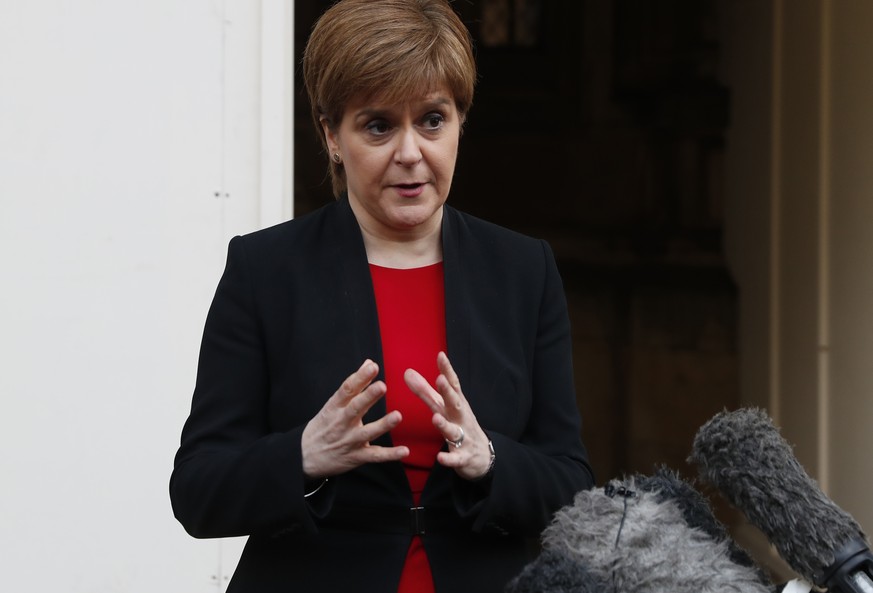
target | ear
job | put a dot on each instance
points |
(330, 136)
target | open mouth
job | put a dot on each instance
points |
(409, 190)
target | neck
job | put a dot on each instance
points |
(415, 248)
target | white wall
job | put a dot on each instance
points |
(120, 120)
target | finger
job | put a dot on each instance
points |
(450, 459)
(361, 403)
(454, 400)
(420, 387)
(356, 382)
(373, 430)
(446, 368)
(451, 431)
(377, 454)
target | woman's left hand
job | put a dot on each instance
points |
(454, 418)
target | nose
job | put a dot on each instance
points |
(408, 151)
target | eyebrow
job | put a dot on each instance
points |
(375, 112)
(437, 101)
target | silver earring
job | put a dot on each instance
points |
(336, 158)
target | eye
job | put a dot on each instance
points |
(377, 127)
(434, 121)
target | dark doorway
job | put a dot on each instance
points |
(599, 126)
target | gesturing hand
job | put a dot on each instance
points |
(336, 440)
(454, 418)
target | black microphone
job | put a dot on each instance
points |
(743, 455)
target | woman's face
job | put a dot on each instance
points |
(399, 160)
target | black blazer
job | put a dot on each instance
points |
(294, 314)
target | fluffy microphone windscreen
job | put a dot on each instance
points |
(555, 571)
(743, 455)
(637, 543)
(695, 508)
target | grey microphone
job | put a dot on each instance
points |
(634, 537)
(743, 455)
(557, 571)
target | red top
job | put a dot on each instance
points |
(412, 323)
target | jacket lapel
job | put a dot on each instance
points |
(357, 289)
(457, 303)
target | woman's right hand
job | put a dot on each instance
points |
(336, 440)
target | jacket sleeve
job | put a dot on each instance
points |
(535, 475)
(232, 476)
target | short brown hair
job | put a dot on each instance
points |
(393, 49)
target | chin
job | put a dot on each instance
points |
(406, 223)
(413, 216)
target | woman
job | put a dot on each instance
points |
(384, 398)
